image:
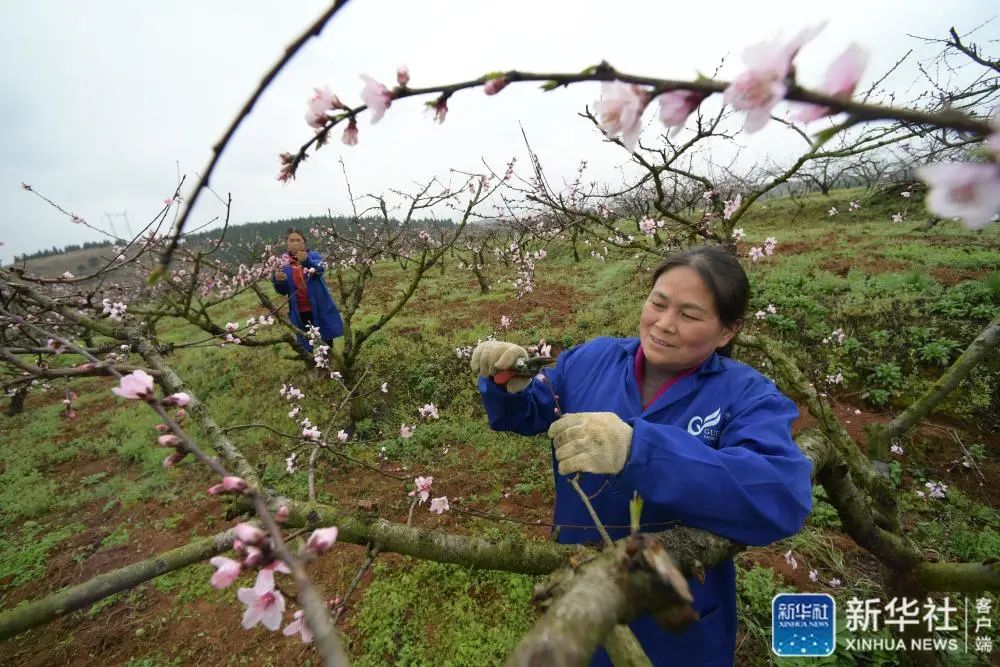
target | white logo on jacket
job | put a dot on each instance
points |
(699, 425)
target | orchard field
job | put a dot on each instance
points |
(871, 311)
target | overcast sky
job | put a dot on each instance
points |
(101, 101)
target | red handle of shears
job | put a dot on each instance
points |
(503, 377)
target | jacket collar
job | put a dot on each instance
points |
(714, 364)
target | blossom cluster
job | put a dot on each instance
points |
(757, 253)
(422, 491)
(264, 602)
(114, 310)
(770, 310)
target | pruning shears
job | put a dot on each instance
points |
(527, 368)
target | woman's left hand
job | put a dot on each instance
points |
(597, 442)
(301, 256)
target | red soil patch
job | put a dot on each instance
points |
(552, 304)
(841, 266)
(798, 247)
(949, 276)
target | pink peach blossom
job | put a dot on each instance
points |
(676, 106)
(403, 75)
(248, 534)
(136, 385)
(228, 571)
(970, 191)
(282, 514)
(376, 97)
(765, 82)
(323, 100)
(277, 565)
(422, 488)
(405, 431)
(180, 399)
(299, 626)
(731, 206)
(440, 505)
(350, 137)
(322, 539)
(840, 81)
(620, 110)
(230, 484)
(265, 605)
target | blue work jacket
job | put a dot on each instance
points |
(324, 311)
(714, 451)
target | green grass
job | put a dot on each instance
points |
(437, 614)
(23, 558)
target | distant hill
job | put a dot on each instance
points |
(80, 260)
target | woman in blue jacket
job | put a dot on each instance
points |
(309, 300)
(705, 440)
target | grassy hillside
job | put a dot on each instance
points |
(81, 497)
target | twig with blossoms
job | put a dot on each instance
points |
(768, 80)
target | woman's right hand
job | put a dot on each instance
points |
(279, 274)
(493, 356)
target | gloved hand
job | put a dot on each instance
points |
(597, 442)
(495, 355)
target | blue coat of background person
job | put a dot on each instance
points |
(309, 298)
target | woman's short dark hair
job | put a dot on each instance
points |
(295, 230)
(724, 278)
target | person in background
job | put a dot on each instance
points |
(705, 441)
(309, 300)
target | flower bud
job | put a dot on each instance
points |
(168, 440)
(179, 399)
(322, 539)
(494, 86)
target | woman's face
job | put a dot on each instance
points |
(295, 243)
(680, 327)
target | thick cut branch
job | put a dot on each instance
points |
(71, 599)
(632, 578)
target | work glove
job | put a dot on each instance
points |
(493, 356)
(597, 442)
